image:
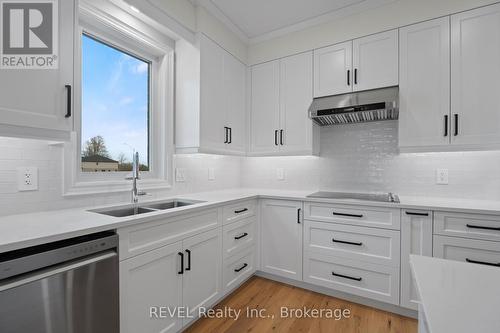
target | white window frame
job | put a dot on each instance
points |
(113, 31)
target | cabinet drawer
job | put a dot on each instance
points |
(239, 235)
(238, 268)
(467, 225)
(238, 211)
(380, 217)
(471, 250)
(378, 246)
(355, 277)
(147, 236)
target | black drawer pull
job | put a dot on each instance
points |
(482, 262)
(240, 211)
(241, 268)
(298, 215)
(355, 76)
(230, 135)
(417, 214)
(346, 242)
(275, 137)
(445, 125)
(226, 129)
(481, 227)
(347, 277)
(348, 215)
(68, 101)
(182, 263)
(456, 125)
(188, 267)
(241, 236)
(348, 77)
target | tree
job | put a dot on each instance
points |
(122, 159)
(95, 146)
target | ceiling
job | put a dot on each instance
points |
(257, 19)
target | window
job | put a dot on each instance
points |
(115, 107)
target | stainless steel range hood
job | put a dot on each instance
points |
(363, 106)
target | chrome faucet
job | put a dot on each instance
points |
(135, 176)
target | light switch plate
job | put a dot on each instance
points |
(280, 174)
(442, 176)
(27, 178)
(180, 175)
(211, 174)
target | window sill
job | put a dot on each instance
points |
(110, 187)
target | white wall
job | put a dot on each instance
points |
(365, 157)
(23, 153)
(390, 16)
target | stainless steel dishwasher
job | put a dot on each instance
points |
(68, 286)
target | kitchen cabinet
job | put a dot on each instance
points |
(280, 98)
(475, 76)
(424, 84)
(34, 102)
(281, 238)
(151, 279)
(210, 99)
(416, 238)
(362, 64)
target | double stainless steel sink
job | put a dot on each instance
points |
(144, 208)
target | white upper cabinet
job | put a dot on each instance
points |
(280, 99)
(362, 64)
(424, 84)
(332, 70)
(475, 76)
(375, 61)
(38, 98)
(210, 99)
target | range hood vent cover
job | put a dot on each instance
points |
(364, 106)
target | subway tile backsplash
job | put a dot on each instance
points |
(358, 157)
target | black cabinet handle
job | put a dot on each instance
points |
(225, 134)
(241, 211)
(68, 101)
(417, 214)
(346, 242)
(298, 215)
(230, 135)
(188, 267)
(281, 137)
(347, 276)
(445, 125)
(275, 137)
(355, 76)
(182, 263)
(241, 268)
(456, 124)
(348, 77)
(482, 262)
(241, 236)
(348, 215)
(482, 227)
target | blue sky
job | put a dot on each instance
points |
(114, 99)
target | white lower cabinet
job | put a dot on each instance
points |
(468, 250)
(151, 279)
(416, 238)
(238, 268)
(281, 238)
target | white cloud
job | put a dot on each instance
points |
(140, 68)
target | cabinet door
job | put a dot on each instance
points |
(295, 99)
(416, 238)
(475, 76)
(235, 87)
(375, 61)
(265, 107)
(202, 276)
(38, 97)
(212, 95)
(333, 70)
(424, 85)
(281, 238)
(151, 279)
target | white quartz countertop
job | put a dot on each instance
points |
(457, 297)
(23, 230)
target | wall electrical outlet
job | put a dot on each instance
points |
(280, 174)
(211, 174)
(27, 178)
(180, 175)
(442, 176)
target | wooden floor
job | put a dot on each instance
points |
(260, 293)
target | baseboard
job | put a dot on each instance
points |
(339, 294)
